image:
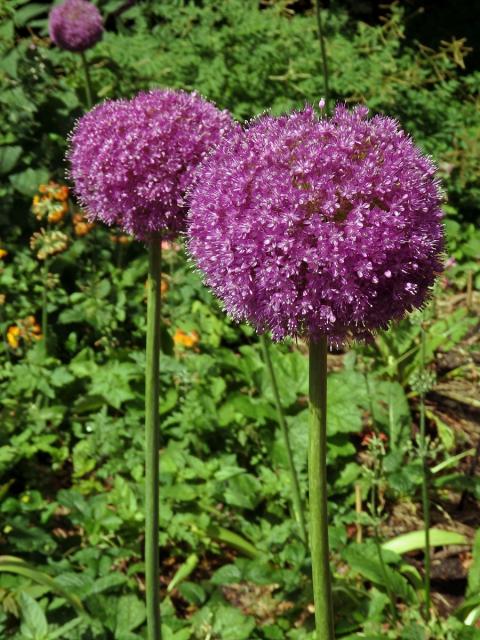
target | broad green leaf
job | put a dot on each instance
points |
(9, 157)
(193, 593)
(415, 540)
(11, 564)
(34, 623)
(28, 181)
(130, 613)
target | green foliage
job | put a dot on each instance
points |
(71, 443)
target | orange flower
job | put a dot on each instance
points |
(13, 335)
(3, 253)
(58, 212)
(122, 239)
(187, 340)
(52, 203)
(27, 329)
(81, 226)
(61, 193)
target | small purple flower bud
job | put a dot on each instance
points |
(75, 25)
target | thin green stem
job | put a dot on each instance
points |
(88, 82)
(376, 535)
(296, 495)
(318, 493)
(425, 481)
(323, 51)
(45, 303)
(152, 441)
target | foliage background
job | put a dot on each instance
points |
(71, 440)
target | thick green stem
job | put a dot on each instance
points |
(317, 479)
(88, 82)
(296, 495)
(152, 441)
(323, 51)
(425, 483)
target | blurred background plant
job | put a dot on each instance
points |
(71, 444)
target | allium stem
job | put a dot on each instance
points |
(317, 478)
(323, 51)
(152, 441)
(295, 486)
(425, 483)
(88, 82)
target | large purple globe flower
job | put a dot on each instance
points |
(310, 227)
(75, 25)
(133, 160)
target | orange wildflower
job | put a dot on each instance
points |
(3, 253)
(52, 203)
(13, 336)
(27, 329)
(187, 340)
(81, 226)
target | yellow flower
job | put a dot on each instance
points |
(3, 253)
(187, 340)
(13, 335)
(48, 243)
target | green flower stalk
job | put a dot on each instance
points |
(318, 490)
(425, 476)
(88, 81)
(152, 438)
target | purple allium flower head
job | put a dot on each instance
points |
(133, 160)
(75, 25)
(309, 227)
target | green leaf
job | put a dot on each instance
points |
(193, 593)
(474, 571)
(183, 571)
(227, 574)
(243, 491)
(347, 398)
(365, 561)
(415, 540)
(11, 564)
(28, 181)
(9, 157)
(24, 15)
(34, 623)
(130, 614)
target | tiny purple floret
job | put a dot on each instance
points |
(307, 227)
(75, 25)
(133, 160)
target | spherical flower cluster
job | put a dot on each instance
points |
(132, 160)
(308, 227)
(75, 25)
